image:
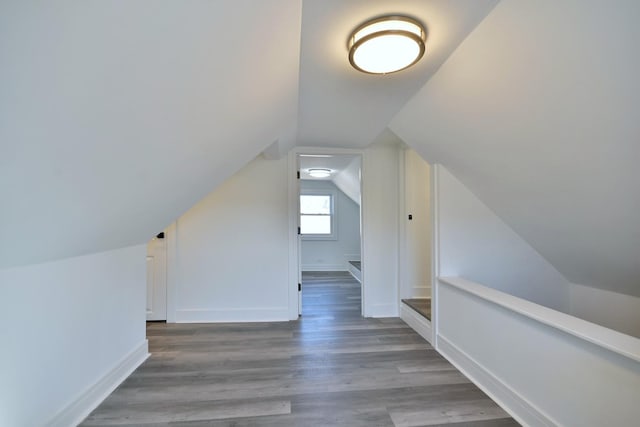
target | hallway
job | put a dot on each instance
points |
(330, 295)
(330, 368)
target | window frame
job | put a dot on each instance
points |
(333, 194)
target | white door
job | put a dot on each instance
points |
(299, 243)
(299, 276)
(157, 279)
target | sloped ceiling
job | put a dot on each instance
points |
(342, 107)
(345, 171)
(337, 163)
(117, 116)
(537, 113)
(348, 181)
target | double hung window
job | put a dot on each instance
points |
(317, 212)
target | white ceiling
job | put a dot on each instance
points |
(117, 116)
(342, 107)
(537, 113)
(337, 164)
(345, 171)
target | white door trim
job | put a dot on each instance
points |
(171, 237)
(435, 252)
(294, 252)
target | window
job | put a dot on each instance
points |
(317, 210)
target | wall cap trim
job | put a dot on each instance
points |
(614, 341)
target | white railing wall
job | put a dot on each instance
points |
(543, 366)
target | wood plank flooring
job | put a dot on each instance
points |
(330, 368)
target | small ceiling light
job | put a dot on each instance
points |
(386, 45)
(320, 173)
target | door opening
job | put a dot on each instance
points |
(329, 242)
(415, 248)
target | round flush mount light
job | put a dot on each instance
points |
(320, 173)
(386, 45)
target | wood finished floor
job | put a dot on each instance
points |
(330, 368)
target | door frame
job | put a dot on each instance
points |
(295, 304)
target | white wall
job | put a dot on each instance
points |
(230, 259)
(475, 244)
(545, 367)
(116, 120)
(610, 309)
(348, 180)
(333, 255)
(71, 330)
(537, 113)
(415, 257)
(380, 226)
(231, 249)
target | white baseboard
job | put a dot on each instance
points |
(417, 322)
(74, 413)
(232, 315)
(357, 274)
(383, 310)
(517, 406)
(323, 267)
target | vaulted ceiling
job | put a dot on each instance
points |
(339, 106)
(116, 117)
(537, 113)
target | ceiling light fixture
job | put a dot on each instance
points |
(320, 173)
(386, 45)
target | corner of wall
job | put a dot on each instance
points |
(605, 308)
(81, 406)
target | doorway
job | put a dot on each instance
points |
(415, 249)
(329, 241)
